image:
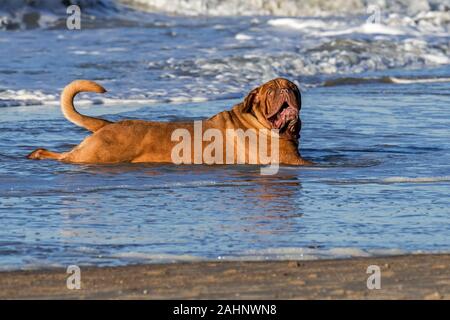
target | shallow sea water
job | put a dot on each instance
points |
(381, 184)
(375, 120)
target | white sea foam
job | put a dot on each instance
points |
(10, 98)
(272, 254)
(247, 7)
(299, 24)
(181, 99)
(22, 14)
(22, 97)
(295, 253)
(308, 47)
(431, 23)
(16, 98)
(322, 27)
(84, 52)
(367, 28)
(277, 7)
(437, 58)
(243, 37)
(418, 80)
(144, 257)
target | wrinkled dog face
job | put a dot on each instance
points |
(279, 101)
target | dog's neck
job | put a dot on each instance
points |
(255, 120)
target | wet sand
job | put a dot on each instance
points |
(402, 277)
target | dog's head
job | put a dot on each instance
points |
(277, 104)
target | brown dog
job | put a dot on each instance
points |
(274, 105)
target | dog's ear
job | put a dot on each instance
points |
(250, 99)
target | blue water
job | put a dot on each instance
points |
(57, 213)
(382, 148)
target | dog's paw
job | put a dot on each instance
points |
(37, 154)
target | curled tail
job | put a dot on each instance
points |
(69, 92)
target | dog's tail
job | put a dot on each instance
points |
(69, 92)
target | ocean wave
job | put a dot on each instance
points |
(12, 98)
(23, 97)
(280, 7)
(93, 256)
(417, 80)
(20, 98)
(431, 23)
(25, 14)
(272, 254)
(336, 56)
(296, 253)
(144, 257)
(311, 51)
(393, 80)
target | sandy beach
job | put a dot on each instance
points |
(402, 277)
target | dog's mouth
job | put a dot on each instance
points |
(286, 120)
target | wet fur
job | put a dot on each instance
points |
(149, 141)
